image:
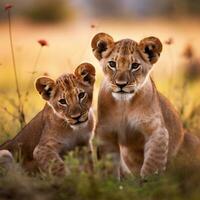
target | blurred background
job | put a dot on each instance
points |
(68, 27)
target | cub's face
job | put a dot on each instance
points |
(70, 96)
(126, 63)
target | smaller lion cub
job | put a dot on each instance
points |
(65, 122)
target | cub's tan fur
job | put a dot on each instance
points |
(136, 124)
(65, 122)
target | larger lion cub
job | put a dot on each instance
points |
(136, 124)
(65, 122)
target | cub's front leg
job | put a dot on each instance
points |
(48, 159)
(107, 145)
(155, 150)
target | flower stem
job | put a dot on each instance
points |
(20, 107)
(33, 72)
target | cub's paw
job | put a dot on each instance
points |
(6, 159)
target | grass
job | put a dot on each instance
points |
(68, 48)
(180, 182)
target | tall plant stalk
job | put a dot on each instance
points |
(42, 43)
(169, 42)
(20, 105)
(33, 72)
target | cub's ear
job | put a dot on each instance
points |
(85, 72)
(102, 44)
(152, 47)
(44, 86)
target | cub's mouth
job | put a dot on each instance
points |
(79, 121)
(123, 91)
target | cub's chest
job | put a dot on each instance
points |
(128, 127)
(76, 137)
(124, 118)
(124, 123)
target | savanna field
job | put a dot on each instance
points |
(176, 74)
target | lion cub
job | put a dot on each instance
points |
(65, 122)
(136, 124)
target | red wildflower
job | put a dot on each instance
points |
(8, 6)
(92, 26)
(43, 42)
(188, 52)
(169, 41)
(46, 74)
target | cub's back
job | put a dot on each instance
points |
(27, 138)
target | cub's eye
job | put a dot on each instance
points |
(135, 66)
(112, 64)
(81, 95)
(62, 101)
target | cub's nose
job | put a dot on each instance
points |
(121, 84)
(76, 116)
